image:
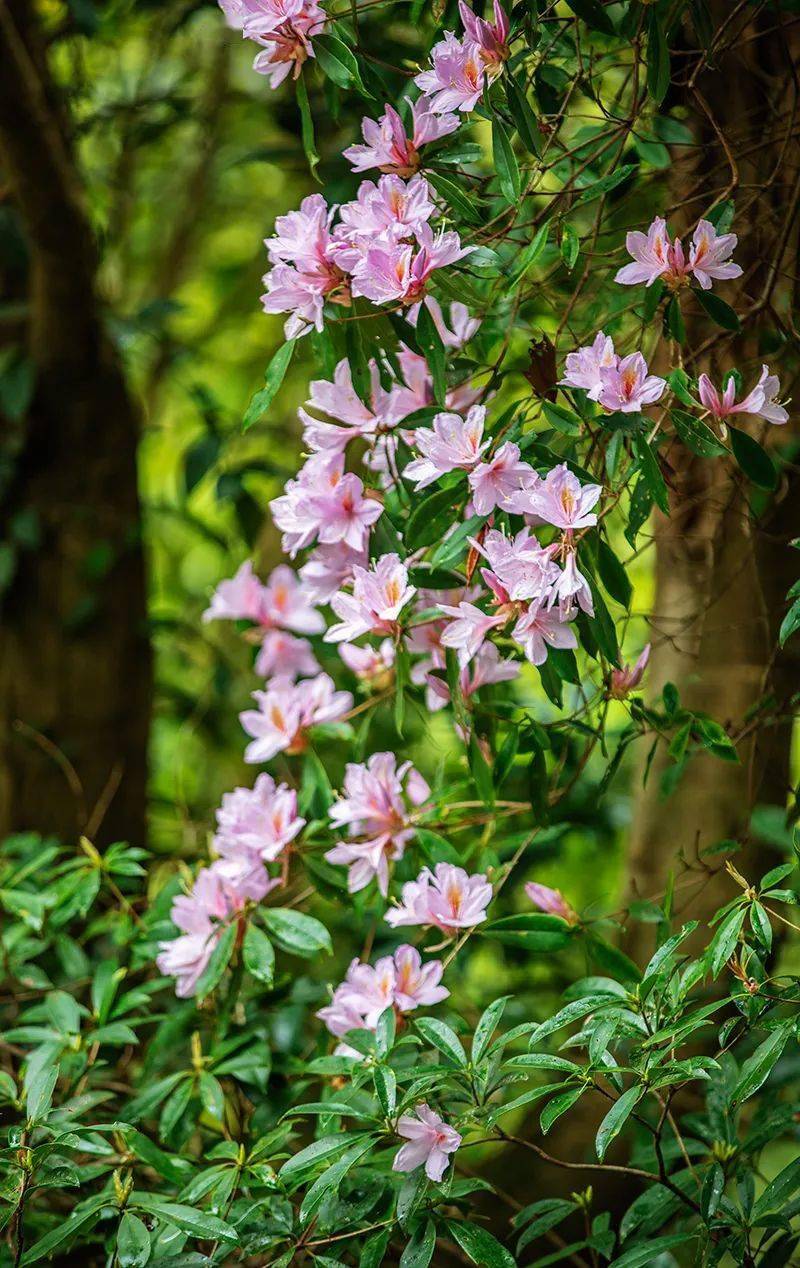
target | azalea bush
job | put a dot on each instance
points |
(277, 1056)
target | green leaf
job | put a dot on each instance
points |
(612, 574)
(562, 419)
(385, 1088)
(212, 1097)
(65, 1229)
(467, 206)
(783, 1186)
(606, 183)
(718, 310)
(790, 623)
(332, 1177)
(722, 945)
(296, 932)
(430, 342)
(696, 434)
(757, 1068)
(593, 14)
(418, 1253)
(187, 1219)
(524, 118)
(505, 162)
(752, 458)
(258, 955)
(358, 361)
(648, 1252)
(430, 517)
(533, 931)
(133, 1242)
(275, 374)
(479, 1245)
(570, 245)
(558, 1106)
(40, 1082)
(338, 62)
(615, 1120)
(658, 67)
(673, 320)
(442, 1037)
(481, 771)
(307, 126)
(297, 1168)
(487, 1024)
(220, 956)
(651, 473)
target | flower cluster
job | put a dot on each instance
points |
(399, 981)
(283, 28)
(654, 256)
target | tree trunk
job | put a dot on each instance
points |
(75, 665)
(722, 572)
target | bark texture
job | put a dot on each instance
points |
(75, 666)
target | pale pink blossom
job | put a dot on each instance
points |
(388, 145)
(582, 368)
(453, 442)
(238, 598)
(416, 392)
(282, 655)
(561, 500)
(468, 629)
(283, 27)
(390, 272)
(400, 981)
(304, 272)
(709, 255)
(490, 37)
(324, 502)
(463, 324)
(372, 665)
(496, 481)
(650, 252)
(456, 79)
(379, 595)
(340, 401)
(655, 256)
(285, 604)
(539, 628)
(447, 898)
(571, 586)
(329, 568)
(262, 820)
(628, 387)
(486, 668)
(286, 711)
(624, 680)
(760, 401)
(393, 209)
(550, 900)
(430, 1143)
(375, 809)
(520, 568)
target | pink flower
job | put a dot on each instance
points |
(197, 915)
(324, 502)
(490, 37)
(519, 566)
(283, 27)
(262, 820)
(340, 401)
(624, 680)
(651, 255)
(583, 367)
(485, 668)
(494, 482)
(628, 387)
(374, 808)
(761, 401)
(285, 712)
(328, 568)
(237, 599)
(430, 1142)
(464, 325)
(456, 78)
(451, 443)
(390, 272)
(447, 898)
(416, 392)
(551, 901)
(400, 980)
(709, 252)
(285, 604)
(655, 256)
(305, 272)
(388, 145)
(540, 628)
(282, 655)
(468, 629)
(393, 209)
(571, 587)
(561, 500)
(379, 595)
(372, 665)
